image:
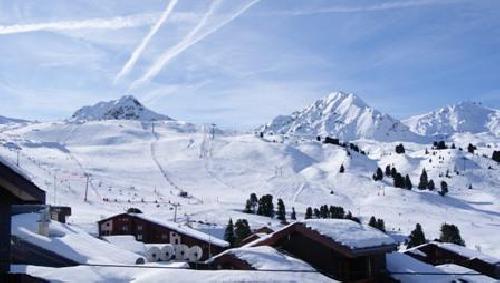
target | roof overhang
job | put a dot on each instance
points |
(19, 186)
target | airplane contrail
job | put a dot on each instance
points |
(188, 41)
(142, 46)
(97, 23)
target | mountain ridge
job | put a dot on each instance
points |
(341, 115)
(125, 108)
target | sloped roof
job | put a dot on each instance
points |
(182, 229)
(19, 184)
(265, 258)
(346, 236)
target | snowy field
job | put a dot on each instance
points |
(130, 165)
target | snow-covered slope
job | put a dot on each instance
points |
(461, 117)
(133, 165)
(125, 108)
(344, 116)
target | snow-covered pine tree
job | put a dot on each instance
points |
(341, 170)
(293, 216)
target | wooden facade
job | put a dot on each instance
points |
(15, 189)
(437, 255)
(329, 257)
(151, 232)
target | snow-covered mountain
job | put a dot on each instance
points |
(6, 120)
(125, 108)
(344, 116)
(461, 117)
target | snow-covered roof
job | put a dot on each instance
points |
(405, 265)
(349, 233)
(463, 251)
(91, 274)
(70, 242)
(266, 258)
(183, 229)
(473, 277)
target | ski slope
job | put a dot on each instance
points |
(136, 164)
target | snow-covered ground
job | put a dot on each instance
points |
(130, 165)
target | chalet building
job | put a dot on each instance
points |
(341, 249)
(15, 189)
(437, 253)
(157, 231)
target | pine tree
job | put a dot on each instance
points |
(431, 186)
(292, 216)
(381, 225)
(388, 171)
(317, 213)
(241, 230)
(254, 200)
(248, 206)
(496, 156)
(372, 222)
(453, 146)
(281, 213)
(443, 188)
(394, 172)
(379, 174)
(229, 233)
(417, 237)
(408, 184)
(451, 234)
(341, 170)
(423, 183)
(400, 148)
(309, 213)
(324, 211)
(471, 148)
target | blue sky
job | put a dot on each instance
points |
(248, 60)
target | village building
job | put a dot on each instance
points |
(158, 231)
(15, 189)
(437, 253)
(341, 249)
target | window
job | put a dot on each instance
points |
(177, 241)
(139, 237)
(139, 227)
(164, 236)
(124, 228)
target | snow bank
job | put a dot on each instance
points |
(138, 275)
(349, 233)
(127, 243)
(70, 242)
(267, 258)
